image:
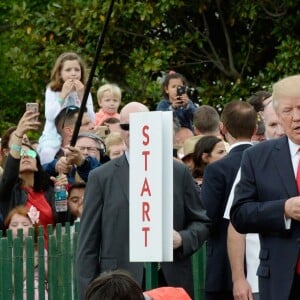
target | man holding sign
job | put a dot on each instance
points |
(103, 241)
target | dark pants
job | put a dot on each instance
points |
(255, 296)
(218, 296)
(295, 291)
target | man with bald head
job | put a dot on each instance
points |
(103, 241)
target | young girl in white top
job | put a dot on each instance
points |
(65, 88)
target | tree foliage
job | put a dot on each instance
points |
(227, 49)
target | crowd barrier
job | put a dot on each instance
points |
(53, 276)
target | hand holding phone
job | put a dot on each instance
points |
(34, 107)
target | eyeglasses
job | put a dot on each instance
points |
(28, 152)
(89, 149)
(68, 109)
(124, 127)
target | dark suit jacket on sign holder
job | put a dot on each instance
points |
(103, 242)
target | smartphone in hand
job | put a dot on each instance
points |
(34, 107)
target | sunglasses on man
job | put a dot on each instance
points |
(124, 126)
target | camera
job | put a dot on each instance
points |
(181, 89)
(190, 91)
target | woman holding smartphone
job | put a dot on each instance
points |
(24, 182)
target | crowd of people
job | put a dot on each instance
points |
(235, 185)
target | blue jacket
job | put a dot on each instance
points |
(183, 114)
(83, 171)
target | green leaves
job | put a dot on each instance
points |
(227, 49)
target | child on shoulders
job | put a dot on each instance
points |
(174, 89)
(66, 88)
(109, 99)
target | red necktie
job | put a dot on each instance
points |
(298, 176)
(298, 186)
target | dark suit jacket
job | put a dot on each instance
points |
(103, 242)
(267, 181)
(216, 186)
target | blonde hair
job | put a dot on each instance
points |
(111, 87)
(286, 87)
(114, 138)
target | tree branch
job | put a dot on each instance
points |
(249, 49)
(218, 61)
(212, 57)
(272, 14)
(119, 29)
(228, 42)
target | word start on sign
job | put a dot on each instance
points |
(145, 191)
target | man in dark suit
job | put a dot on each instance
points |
(103, 242)
(238, 125)
(267, 198)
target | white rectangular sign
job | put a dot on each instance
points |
(151, 186)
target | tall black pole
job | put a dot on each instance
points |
(91, 75)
